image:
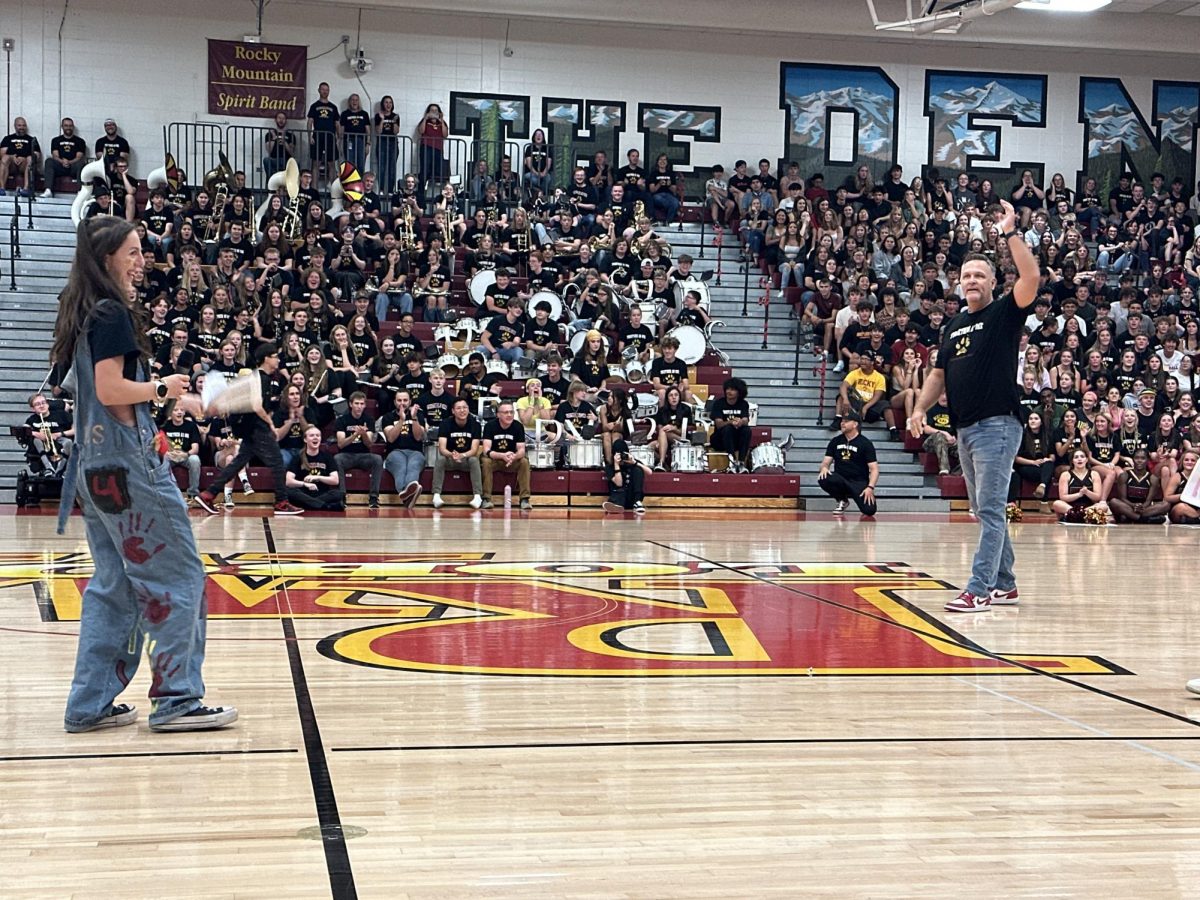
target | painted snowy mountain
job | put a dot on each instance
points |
(992, 99)
(509, 110)
(659, 119)
(606, 115)
(564, 114)
(875, 113)
(1180, 126)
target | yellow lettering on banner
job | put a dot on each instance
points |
(259, 53)
(742, 645)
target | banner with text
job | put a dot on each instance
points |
(256, 80)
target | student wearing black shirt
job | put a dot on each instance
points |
(354, 433)
(403, 435)
(504, 451)
(633, 176)
(476, 381)
(183, 446)
(730, 413)
(256, 431)
(460, 444)
(626, 479)
(354, 125)
(435, 404)
(668, 370)
(849, 470)
(313, 479)
(554, 385)
(53, 433)
(323, 121)
(68, 155)
(977, 369)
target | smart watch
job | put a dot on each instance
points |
(1010, 234)
(161, 391)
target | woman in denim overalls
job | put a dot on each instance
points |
(148, 584)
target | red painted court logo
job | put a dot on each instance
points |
(474, 614)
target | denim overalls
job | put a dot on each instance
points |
(148, 583)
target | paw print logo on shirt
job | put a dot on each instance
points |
(964, 344)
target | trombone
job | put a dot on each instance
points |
(219, 182)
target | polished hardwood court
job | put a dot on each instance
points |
(566, 704)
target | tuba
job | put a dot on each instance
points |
(92, 172)
(407, 234)
(347, 186)
(219, 183)
(167, 175)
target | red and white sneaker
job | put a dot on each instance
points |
(1004, 598)
(966, 602)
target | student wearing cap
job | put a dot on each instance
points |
(850, 470)
(533, 405)
(864, 391)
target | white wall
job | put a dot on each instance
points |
(146, 64)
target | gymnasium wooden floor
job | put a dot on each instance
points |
(560, 705)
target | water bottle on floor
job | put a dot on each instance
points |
(508, 496)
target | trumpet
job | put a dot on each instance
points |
(50, 445)
(219, 183)
(407, 236)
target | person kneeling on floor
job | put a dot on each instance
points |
(849, 470)
(626, 478)
(313, 481)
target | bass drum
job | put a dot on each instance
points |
(579, 338)
(692, 343)
(643, 453)
(692, 284)
(766, 458)
(556, 304)
(586, 454)
(450, 364)
(541, 456)
(478, 285)
(688, 458)
(647, 406)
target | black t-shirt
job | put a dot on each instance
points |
(979, 359)
(554, 391)
(473, 388)
(344, 424)
(324, 116)
(668, 373)
(504, 440)
(416, 385)
(405, 439)
(111, 148)
(244, 424)
(458, 438)
(436, 408)
(720, 408)
(181, 436)
(354, 121)
(939, 417)
(500, 331)
(591, 372)
(20, 145)
(852, 458)
(294, 438)
(538, 335)
(110, 333)
(676, 417)
(68, 147)
(576, 415)
(321, 464)
(640, 337)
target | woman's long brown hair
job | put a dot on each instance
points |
(89, 284)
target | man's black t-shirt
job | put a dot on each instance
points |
(720, 408)
(436, 407)
(404, 440)
(324, 115)
(668, 373)
(111, 148)
(183, 435)
(68, 147)
(321, 464)
(554, 391)
(852, 458)
(504, 440)
(458, 437)
(979, 359)
(344, 424)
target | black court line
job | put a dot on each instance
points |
(337, 854)
(958, 642)
(148, 753)
(753, 742)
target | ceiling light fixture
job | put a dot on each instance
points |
(1068, 6)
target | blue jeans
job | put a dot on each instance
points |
(356, 150)
(384, 302)
(666, 204)
(510, 354)
(986, 451)
(541, 182)
(148, 585)
(405, 466)
(387, 148)
(754, 240)
(1120, 264)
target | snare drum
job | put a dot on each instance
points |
(647, 406)
(586, 454)
(497, 367)
(616, 373)
(450, 364)
(692, 343)
(541, 456)
(688, 458)
(643, 453)
(692, 284)
(766, 458)
(478, 285)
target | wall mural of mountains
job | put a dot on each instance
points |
(955, 100)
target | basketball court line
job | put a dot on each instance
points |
(147, 754)
(333, 839)
(1097, 737)
(958, 642)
